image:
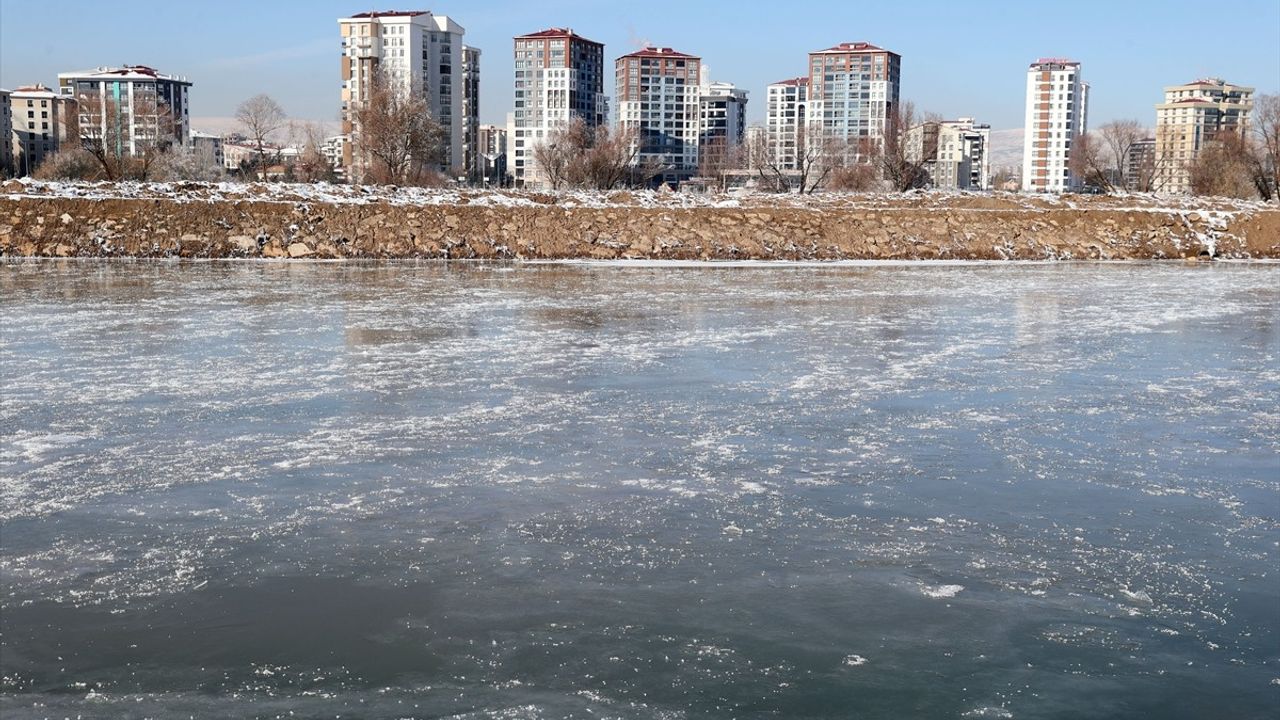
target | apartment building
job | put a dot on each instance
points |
(722, 122)
(210, 145)
(853, 91)
(786, 115)
(6, 135)
(470, 111)
(956, 153)
(559, 75)
(418, 54)
(134, 107)
(1056, 116)
(1140, 165)
(658, 94)
(493, 154)
(1191, 116)
(41, 120)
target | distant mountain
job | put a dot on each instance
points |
(1006, 148)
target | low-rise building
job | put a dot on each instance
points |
(210, 145)
(42, 120)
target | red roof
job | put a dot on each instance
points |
(558, 33)
(847, 47)
(390, 13)
(666, 52)
(793, 81)
(1054, 61)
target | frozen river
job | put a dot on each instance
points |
(551, 491)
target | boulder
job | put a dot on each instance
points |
(297, 250)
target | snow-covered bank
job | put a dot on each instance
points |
(338, 221)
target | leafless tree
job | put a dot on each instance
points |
(1265, 122)
(1088, 161)
(906, 167)
(577, 155)
(1119, 138)
(717, 158)
(126, 142)
(1225, 167)
(260, 117)
(311, 165)
(396, 135)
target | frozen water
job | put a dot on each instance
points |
(408, 490)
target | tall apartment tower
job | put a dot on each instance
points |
(1191, 116)
(419, 54)
(559, 75)
(787, 114)
(135, 105)
(1057, 115)
(659, 91)
(470, 112)
(853, 90)
(6, 135)
(722, 120)
(41, 120)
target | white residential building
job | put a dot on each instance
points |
(210, 145)
(722, 122)
(419, 54)
(1057, 115)
(960, 153)
(658, 96)
(135, 107)
(559, 75)
(492, 150)
(1191, 116)
(786, 118)
(852, 93)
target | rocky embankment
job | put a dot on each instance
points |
(194, 220)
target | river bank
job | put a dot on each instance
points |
(223, 220)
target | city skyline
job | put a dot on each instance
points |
(291, 51)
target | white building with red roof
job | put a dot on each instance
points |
(1057, 116)
(658, 93)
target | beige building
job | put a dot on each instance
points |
(420, 54)
(42, 120)
(1191, 116)
(6, 135)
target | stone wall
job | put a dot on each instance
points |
(43, 225)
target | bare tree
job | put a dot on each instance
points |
(311, 165)
(397, 137)
(1087, 161)
(260, 117)
(577, 155)
(906, 167)
(1265, 122)
(125, 141)
(1225, 167)
(1119, 138)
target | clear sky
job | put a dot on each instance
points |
(960, 58)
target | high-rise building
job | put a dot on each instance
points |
(416, 53)
(41, 120)
(559, 75)
(1057, 115)
(658, 99)
(956, 153)
(786, 121)
(853, 91)
(470, 111)
(492, 142)
(6, 135)
(1140, 165)
(1191, 116)
(722, 122)
(132, 107)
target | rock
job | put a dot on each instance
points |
(64, 250)
(191, 237)
(243, 243)
(297, 250)
(66, 219)
(271, 250)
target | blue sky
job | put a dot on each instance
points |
(959, 58)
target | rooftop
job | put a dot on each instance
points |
(660, 52)
(1055, 61)
(557, 33)
(793, 82)
(851, 47)
(132, 72)
(387, 13)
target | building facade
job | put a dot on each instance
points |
(722, 124)
(559, 75)
(470, 112)
(6, 135)
(1191, 116)
(492, 142)
(1056, 117)
(956, 153)
(658, 94)
(418, 54)
(133, 108)
(787, 115)
(41, 122)
(1140, 166)
(210, 145)
(852, 94)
